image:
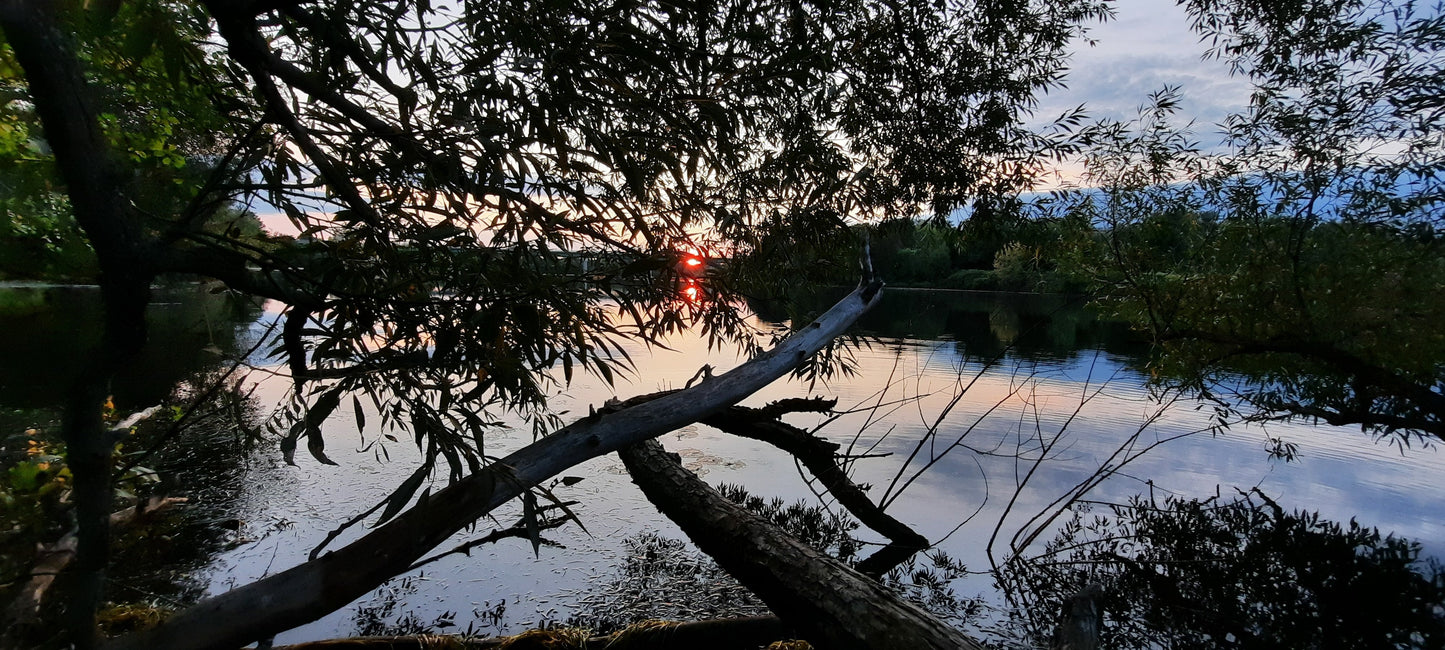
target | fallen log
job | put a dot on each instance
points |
(830, 604)
(313, 589)
(52, 559)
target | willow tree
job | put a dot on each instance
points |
(1294, 271)
(471, 183)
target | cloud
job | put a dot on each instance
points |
(1147, 47)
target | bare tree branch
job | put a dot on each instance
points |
(820, 457)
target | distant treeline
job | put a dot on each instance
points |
(981, 253)
(989, 251)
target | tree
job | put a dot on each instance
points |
(162, 120)
(1295, 271)
(473, 186)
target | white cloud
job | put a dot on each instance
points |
(1147, 47)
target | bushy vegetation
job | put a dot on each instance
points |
(192, 449)
(1234, 573)
(1032, 254)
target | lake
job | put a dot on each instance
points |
(1016, 398)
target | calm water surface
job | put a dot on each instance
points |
(1017, 399)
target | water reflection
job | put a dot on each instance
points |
(1036, 368)
(691, 291)
(47, 332)
(983, 325)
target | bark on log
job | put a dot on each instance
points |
(831, 605)
(311, 590)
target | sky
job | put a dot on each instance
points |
(1147, 45)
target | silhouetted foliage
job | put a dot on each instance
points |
(1295, 273)
(1234, 573)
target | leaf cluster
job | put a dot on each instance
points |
(158, 107)
(35, 503)
(1238, 573)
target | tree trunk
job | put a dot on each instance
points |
(832, 605)
(311, 590)
(94, 183)
(1081, 620)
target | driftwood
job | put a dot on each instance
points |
(51, 559)
(748, 633)
(313, 589)
(832, 605)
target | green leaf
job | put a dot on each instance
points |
(25, 477)
(310, 426)
(140, 40)
(288, 443)
(317, 446)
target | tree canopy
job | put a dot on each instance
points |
(477, 187)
